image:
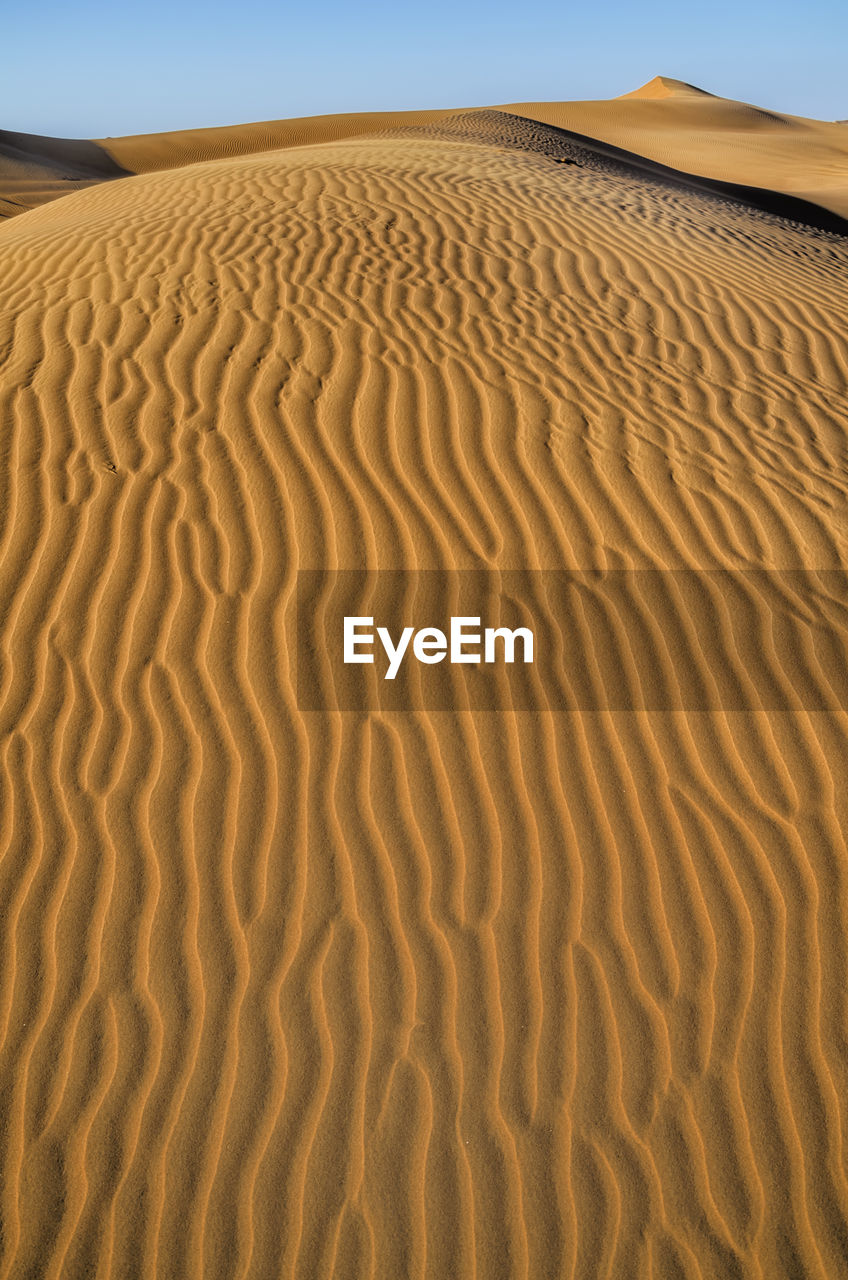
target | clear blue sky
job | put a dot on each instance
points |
(91, 69)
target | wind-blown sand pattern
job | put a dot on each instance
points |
(300, 994)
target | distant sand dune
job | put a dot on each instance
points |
(665, 87)
(289, 994)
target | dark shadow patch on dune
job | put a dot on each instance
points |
(75, 158)
(35, 170)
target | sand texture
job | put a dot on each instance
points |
(294, 994)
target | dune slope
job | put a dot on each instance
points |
(302, 994)
(682, 126)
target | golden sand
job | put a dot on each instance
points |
(286, 993)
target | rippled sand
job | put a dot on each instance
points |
(288, 993)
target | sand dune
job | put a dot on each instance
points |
(667, 121)
(684, 127)
(34, 170)
(666, 87)
(290, 993)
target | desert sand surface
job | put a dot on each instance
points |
(488, 994)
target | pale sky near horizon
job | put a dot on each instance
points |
(96, 69)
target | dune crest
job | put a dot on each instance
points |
(665, 87)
